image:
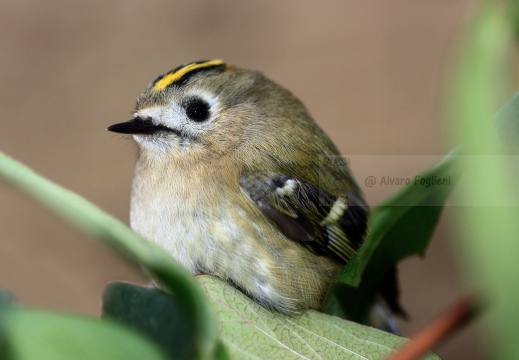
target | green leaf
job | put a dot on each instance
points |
(507, 124)
(153, 312)
(249, 331)
(29, 334)
(102, 226)
(488, 230)
(399, 227)
(6, 298)
(514, 11)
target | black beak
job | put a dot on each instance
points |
(138, 126)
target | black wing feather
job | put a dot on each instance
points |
(329, 224)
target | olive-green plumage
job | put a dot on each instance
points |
(235, 179)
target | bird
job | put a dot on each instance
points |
(235, 179)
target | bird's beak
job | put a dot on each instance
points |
(137, 126)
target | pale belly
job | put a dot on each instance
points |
(222, 240)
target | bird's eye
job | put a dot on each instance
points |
(197, 110)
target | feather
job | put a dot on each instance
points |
(326, 223)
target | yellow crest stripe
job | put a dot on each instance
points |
(170, 78)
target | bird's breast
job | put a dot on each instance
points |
(200, 221)
(211, 226)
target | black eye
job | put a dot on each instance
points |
(197, 110)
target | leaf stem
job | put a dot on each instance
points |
(439, 329)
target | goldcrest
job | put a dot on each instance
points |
(235, 179)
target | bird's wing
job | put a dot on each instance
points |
(329, 224)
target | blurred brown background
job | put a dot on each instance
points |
(370, 72)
